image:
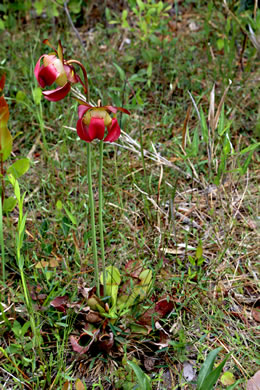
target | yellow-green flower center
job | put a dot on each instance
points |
(97, 113)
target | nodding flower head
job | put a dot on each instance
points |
(93, 121)
(55, 69)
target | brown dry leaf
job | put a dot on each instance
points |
(42, 264)
(256, 314)
(53, 263)
(134, 268)
(66, 386)
(93, 317)
(79, 385)
(86, 292)
(254, 382)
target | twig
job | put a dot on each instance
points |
(73, 26)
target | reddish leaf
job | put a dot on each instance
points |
(146, 317)
(60, 303)
(84, 339)
(164, 307)
(76, 347)
(106, 342)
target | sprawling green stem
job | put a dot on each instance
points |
(92, 214)
(100, 215)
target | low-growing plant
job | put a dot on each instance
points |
(9, 174)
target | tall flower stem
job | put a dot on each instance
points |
(92, 214)
(100, 213)
(2, 240)
(1, 215)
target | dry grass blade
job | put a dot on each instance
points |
(216, 119)
(254, 39)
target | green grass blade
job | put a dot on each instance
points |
(143, 380)
(207, 368)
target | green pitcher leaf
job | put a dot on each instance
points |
(146, 277)
(112, 276)
(19, 168)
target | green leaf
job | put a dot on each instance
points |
(120, 71)
(212, 378)
(69, 214)
(220, 43)
(59, 205)
(199, 251)
(227, 378)
(195, 142)
(19, 168)
(143, 379)
(149, 70)
(221, 123)
(39, 5)
(247, 162)
(140, 329)
(206, 368)
(20, 97)
(16, 187)
(9, 204)
(250, 148)
(37, 95)
(141, 5)
(2, 24)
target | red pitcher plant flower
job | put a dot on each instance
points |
(56, 69)
(93, 121)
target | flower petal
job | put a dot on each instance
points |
(81, 110)
(47, 75)
(37, 70)
(96, 128)
(82, 131)
(2, 82)
(57, 94)
(115, 109)
(70, 73)
(113, 131)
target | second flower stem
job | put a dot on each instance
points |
(92, 214)
(100, 213)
